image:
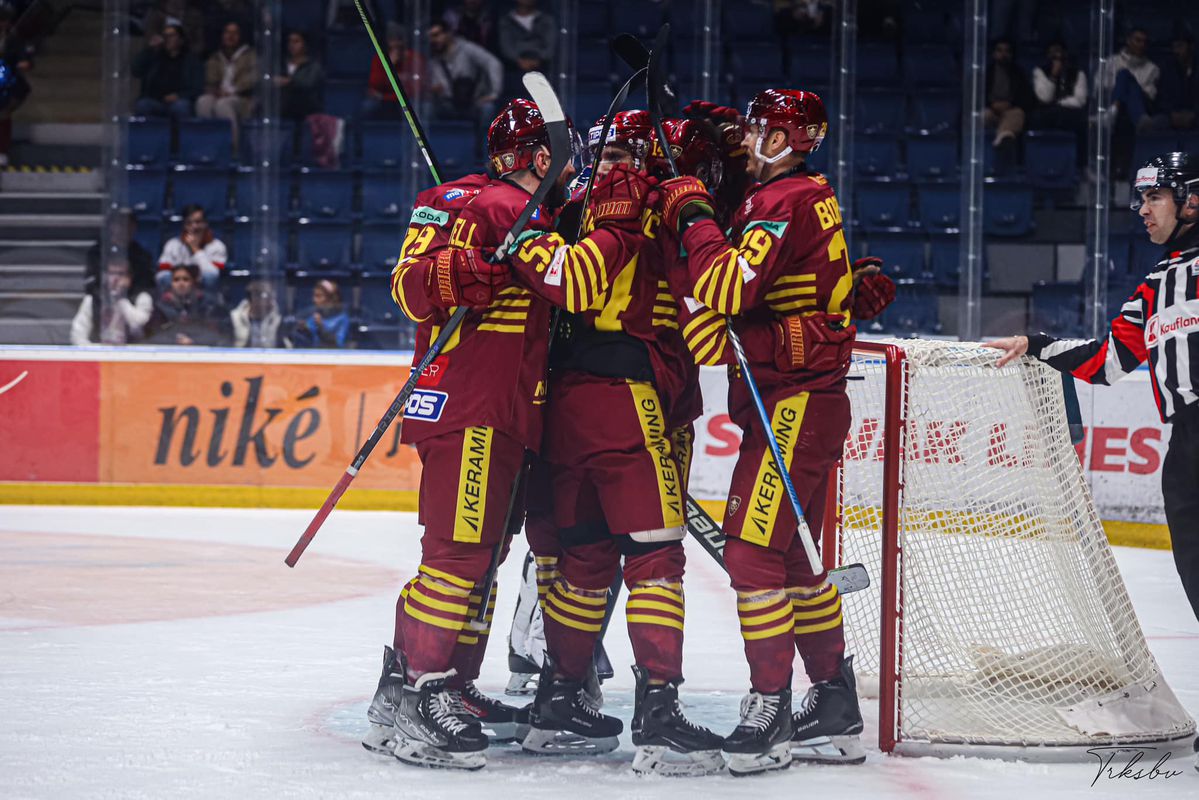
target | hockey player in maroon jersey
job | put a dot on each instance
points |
(618, 487)
(785, 263)
(474, 415)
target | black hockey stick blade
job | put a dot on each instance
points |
(658, 95)
(559, 133)
(848, 579)
(629, 49)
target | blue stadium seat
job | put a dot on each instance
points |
(877, 65)
(383, 145)
(380, 246)
(1050, 158)
(207, 142)
(348, 53)
(930, 65)
(326, 194)
(233, 285)
(763, 58)
(744, 21)
(147, 190)
(149, 140)
(935, 111)
(882, 205)
(243, 192)
(876, 156)
(205, 187)
(879, 111)
(810, 65)
(149, 235)
(1120, 286)
(307, 156)
(636, 16)
(1148, 145)
(593, 20)
(322, 245)
(592, 99)
(939, 205)
(1144, 253)
(306, 17)
(902, 253)
(1119, 251)
(400, 336)
(242, 247)
(377, 305)
(1007, 209)
(945, 260)
(456, 143)
(382, 197)
(344, 98)
(932, 157)
(929, 23)
(915, 309)
(256, 149)
(594, 61)
(1057, 309)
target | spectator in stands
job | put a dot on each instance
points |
(302, 89)
(170, 76)
(380, 101)
(230, 77)
(527, 38)
(16, 61)
(1134, 79)
(1180, 83)
(1008, 98)
(113, 311)
(122, 228)
(464, 79)
(326, 324)
(185, 315)
(471, 20)
(1061, 89)
(219, 14)
(186, 15)
(802, 17)
(256, 319)
(195, 246)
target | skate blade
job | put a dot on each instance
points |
(661, 760)
(380, 739)
(521, 684)
(742, 764)
(554, 743)
(499, 732)
(829, 750)
(420, 754)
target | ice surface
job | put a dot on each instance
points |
(159, 652)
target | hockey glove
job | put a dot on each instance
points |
(683, 199)
(814, 342)
(873, 291)
(618, 198)
(464, 278)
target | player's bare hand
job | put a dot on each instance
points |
(1012, 346)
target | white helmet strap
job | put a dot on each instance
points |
(779, 156)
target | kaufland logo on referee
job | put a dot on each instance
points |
(1156, 329)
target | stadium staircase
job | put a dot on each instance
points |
(51, 199)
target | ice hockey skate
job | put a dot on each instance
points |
(667, 742)
(563, 721)
(761, 742)
(497, 719)
(828, 726)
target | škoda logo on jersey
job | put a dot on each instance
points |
(425, 405)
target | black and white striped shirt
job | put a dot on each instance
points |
(1160, 321)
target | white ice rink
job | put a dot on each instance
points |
(169, 653)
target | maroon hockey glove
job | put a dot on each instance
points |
(730, 126)
(618, 198)
(814, 342)
(873, 291)
(464, 278)
(684, 198)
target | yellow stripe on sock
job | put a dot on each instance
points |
(416, 595)
(649, 620)
(557, 600)
(440, 622)
(652, 605)
(572, 623)
(769, 616)
(448, 578)
(777, 630)
(818, 627)
(835, 608)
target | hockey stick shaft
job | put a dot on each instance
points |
(364, 452)
(418, 132)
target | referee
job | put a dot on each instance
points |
(1160, 322)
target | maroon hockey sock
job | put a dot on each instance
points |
(573, 618)
(397, 641)
(819, 633)
(766, 627)
(654, 613)
(435, 612)
(472, 641)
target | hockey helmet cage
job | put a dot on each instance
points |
(797, 113)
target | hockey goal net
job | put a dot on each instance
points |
(997, 617)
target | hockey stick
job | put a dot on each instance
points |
(422, 141)
(559, 135)
(656, 96)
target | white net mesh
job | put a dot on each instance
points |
(1016, 627)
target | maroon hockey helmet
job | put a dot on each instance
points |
(515, 135)
(693, 144)
(799, 114)
(630, 130)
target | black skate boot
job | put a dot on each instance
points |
(761, 742)
(523, 677)
(563, 721)
(667, 742)
(828, 726)
(381, 714)
(498, 719)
